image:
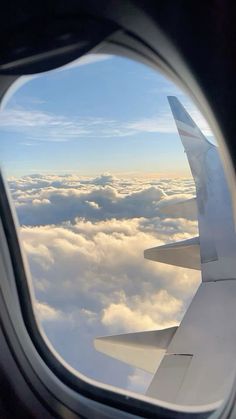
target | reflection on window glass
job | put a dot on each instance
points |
(98, 175)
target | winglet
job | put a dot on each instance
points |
(215, 220)
(185, 124)
(179, 112)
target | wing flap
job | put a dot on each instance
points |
(167, 382)
(198, 367)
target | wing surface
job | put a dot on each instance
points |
(215, 220)
(196, 361)
(143, 350)
(184, 253)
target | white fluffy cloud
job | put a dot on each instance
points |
(85, 239)
(155, 312)
(52, 200)
(47, 313)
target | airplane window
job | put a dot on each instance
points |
(118, 189)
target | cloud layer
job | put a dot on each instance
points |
(85, 238)
(40, 125)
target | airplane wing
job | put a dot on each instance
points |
(184, 253)
(214, 207)
(197, 364)
(143, 350)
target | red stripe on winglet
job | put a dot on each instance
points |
(187, 134)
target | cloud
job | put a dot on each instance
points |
(39, 125)
(103, 198)
(84, 240)
(47, 313)
(120, 317)
(43, 126)
(105, 179)
(139, 381)
(155, 312)
(164, 123)
(97, 278)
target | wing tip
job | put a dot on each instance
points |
(179, 112)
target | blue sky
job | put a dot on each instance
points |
(104, 114)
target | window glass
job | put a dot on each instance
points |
(98, 175)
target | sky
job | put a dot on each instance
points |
(104, 114)
(91, 154)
